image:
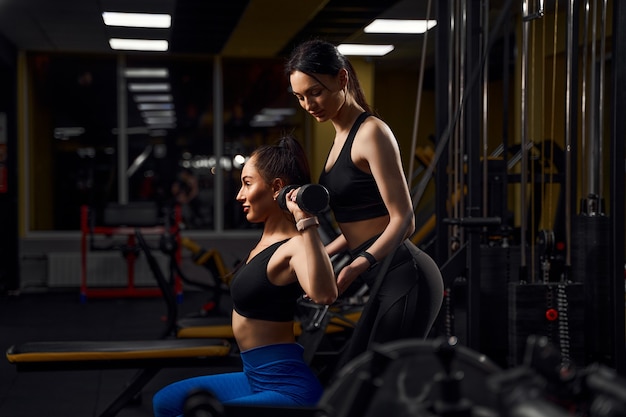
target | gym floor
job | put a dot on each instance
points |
(59, 316)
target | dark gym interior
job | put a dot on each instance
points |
(507, 115)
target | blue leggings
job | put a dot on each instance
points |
(272, 375)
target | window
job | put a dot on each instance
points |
(170, 150)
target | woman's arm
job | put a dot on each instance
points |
(375, 150)
(310, 261)
(339, 244)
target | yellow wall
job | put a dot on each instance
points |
(396, 98)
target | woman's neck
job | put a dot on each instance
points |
(345, 117)
(279, 227)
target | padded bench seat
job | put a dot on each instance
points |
(59, 355)
(147, 356)
(204, 327)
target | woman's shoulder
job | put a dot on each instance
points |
(288, 243)
(294, 242)
(291, 249)
(374, 130)
(294, 246)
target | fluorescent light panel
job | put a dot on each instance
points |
(159, 120)
(280, 111)
(267, 118)
(149, 87)
(146, 73)
(137, 20)
(365, 50)
(67, 132)
(155, 106)
(158, 113)
(399, 26)
(153, 98)
(158, 45)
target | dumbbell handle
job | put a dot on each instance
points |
(312, 198)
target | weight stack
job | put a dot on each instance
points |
(591, 266)
(499, 266)
(554, 310)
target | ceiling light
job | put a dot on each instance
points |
(137, 20)
(158, 113)
(399, 26)
(266, 118)
(155, 106)
(159, 120)
(138, 44)
(149, 88)
(280, 111)
(362, 49)
(153, 98)
(65, 133)
(146, 73)
(163, 126)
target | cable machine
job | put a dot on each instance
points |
(522, 233)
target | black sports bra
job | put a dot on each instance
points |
(354, 194)
(255, 297)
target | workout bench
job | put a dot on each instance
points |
(148, 356)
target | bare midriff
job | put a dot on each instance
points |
(356, 233)
(252, 333)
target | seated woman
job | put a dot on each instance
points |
(288, 261)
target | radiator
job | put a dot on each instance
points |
(104, 269)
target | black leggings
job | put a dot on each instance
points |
(406, 304)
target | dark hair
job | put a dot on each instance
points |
(320, 57)
(286, 159)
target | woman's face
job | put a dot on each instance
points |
(322, 96)
(255, 195)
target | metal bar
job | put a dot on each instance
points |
(485, 107)
(218, 143)
(506, 79)
(570, 121)
(122, 133)
(601, 101)
(472, 148)
(418, 100)
(443, 114)
(592, 151)
(457, 88)
(617, 183)
(524, 137)
(584, 99)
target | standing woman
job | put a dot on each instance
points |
(287, 261)
(370, 200)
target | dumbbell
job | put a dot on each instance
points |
(312, 198)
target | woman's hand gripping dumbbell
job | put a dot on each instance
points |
(312, 198)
